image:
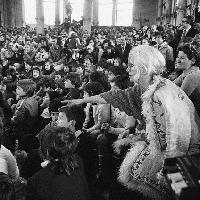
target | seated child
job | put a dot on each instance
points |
(25, 118)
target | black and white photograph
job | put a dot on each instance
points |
(99, 99)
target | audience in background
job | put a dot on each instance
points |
(81, 150)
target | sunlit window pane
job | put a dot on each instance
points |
(105, 12)
(124, 12)
(77, 9)
(49, 12)
(30, 11)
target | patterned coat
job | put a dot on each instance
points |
(172, 129)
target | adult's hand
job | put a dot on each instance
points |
(105, 126)
(124, 134)
(10, 101)
(72, 102)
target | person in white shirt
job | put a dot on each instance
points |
(8, 164)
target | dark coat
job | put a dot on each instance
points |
(123, 54)
(190, 34)
(32, 164)
(47, 185)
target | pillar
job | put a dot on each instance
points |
(169, 11)
(87, 15)
(64, 9)
(114, 13)
(159, 6)
(67, 11)
(23, 12)
(144, 13)
(12, 15)
(4, 9)
(181, 11)
(2, 19)
(57, 13)
(11, 12)
(6, 13)
(95, 12)
(39, 17)
(19, 13)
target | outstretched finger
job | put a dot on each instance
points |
(65, 101)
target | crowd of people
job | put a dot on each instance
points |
(94, 116)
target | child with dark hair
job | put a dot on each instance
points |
(88, 65)
(101, 78)
(25, 118)
(47, 68)
(72, 83)
(48, 106)
(36, 74)
(73, 117)
(28, 69)
(11, 74)
(71, 114)
(11, 78)
(118, 78)
(63, 177)
(101, 113)
(108, 51)
(10, 88)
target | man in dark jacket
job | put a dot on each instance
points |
(187, 32)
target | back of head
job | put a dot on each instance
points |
(76, 113)
(27, 85)
(101, 78)
(117, 70)
(61, 144)
(93, 88)
(74, 78)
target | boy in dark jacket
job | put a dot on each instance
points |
(25, 118)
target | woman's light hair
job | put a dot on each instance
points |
(148, 58)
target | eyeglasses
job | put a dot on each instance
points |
(131, 67)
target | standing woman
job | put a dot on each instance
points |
(189, 80)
